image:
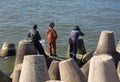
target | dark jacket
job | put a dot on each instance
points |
(34, 35)
(74, 35)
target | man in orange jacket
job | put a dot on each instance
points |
(52, 37)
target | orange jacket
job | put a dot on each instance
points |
(51, 35)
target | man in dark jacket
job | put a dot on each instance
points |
(34, 35)
(73, 40)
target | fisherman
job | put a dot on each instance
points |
(52, 37)
(35, 36)
(73, 41)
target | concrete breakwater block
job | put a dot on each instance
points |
(106, 43)
(17, 72)
(88, 56)
(34, 69)
(70, 72)
(4, 78)
(25, 47)
(53, 71)
(8, 49)
(81, 47)
(102, 69)
(85, 69)
(54, 81)
(118, 47)
(118, 70)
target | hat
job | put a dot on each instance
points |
(76, 27)
(35, 26)
(51, 24)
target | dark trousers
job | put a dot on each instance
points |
(73, 48)
(39, 47)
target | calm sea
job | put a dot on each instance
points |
(93, 16)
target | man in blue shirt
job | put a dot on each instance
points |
(73, 41)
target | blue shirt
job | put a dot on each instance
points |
(74, 35)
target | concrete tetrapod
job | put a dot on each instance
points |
(4, 77)
(54, 81)
(34, 69)
(53, 71)
(118, 47)
(85, 69)
(8, 49)
(102, 69)
(118, 70)
(70, 72)
(106, 45)
(25, 47)
(17, 72)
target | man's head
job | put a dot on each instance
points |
(77, 27)
(51, 25)
(35, 26)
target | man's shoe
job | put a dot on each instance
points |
(55, 55)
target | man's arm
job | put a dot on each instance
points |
(28, 35)
(81, 33)
(38, 36)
